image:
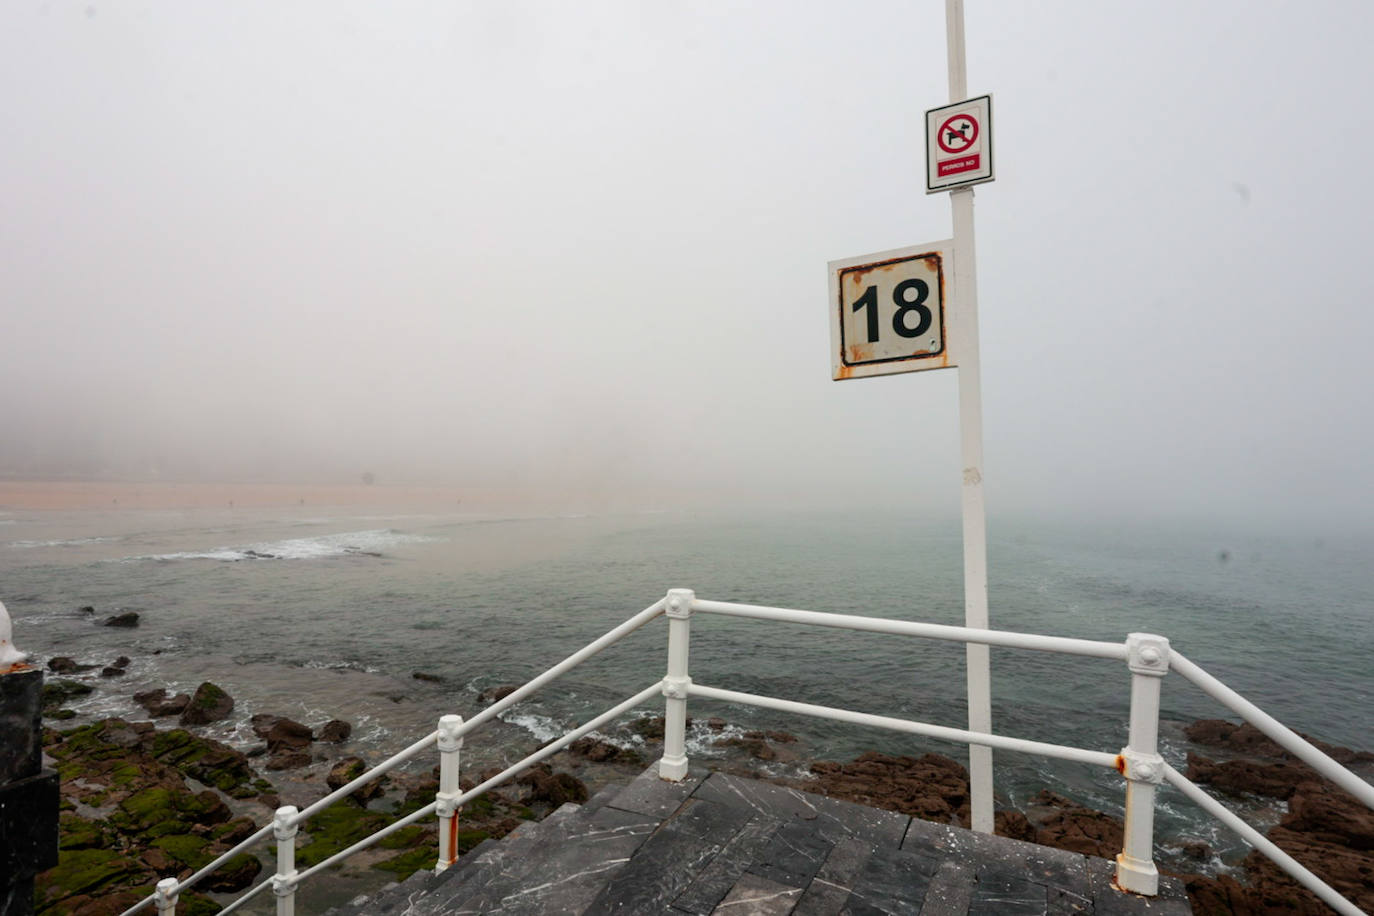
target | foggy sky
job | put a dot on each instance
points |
(583, 247)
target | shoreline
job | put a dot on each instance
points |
(75, 495)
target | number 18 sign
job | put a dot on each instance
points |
(888, 311)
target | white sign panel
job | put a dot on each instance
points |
(959, 145)
(889, 311)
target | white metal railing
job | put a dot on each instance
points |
(1149, 659)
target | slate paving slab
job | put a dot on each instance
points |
(721, 845)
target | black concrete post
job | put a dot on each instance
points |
(28, 793)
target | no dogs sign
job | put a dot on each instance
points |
(959, 144)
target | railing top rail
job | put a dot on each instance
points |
(1259, 841)
(1004, 638)
(609, 638)
(1280, 733)
(909, 726)
(546, 751)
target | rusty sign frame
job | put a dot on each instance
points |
(843, 366)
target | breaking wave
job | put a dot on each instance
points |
(351, 543)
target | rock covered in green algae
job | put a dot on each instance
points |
(130, 818)
(208, 704)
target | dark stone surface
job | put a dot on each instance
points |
(793, 856)
(832, 885)
(716, 879)
(833, 819)
(21, 709)
(28, 826)
(718, 844)
(755, 896)
(649, 794)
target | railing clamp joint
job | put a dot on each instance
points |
(677, 688)
(678, 604)
(1147, 653)
(284, 885)
(445, 803)
(1139, 767)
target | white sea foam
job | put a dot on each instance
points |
(349, 543)
(543, 728)
(72, 542)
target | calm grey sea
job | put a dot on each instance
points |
(318, 614)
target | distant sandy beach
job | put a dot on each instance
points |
(71, 495)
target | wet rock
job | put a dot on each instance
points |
(126, 620)
(208, 704)
(1065, 824)
(931, 787)
(288, 760)
(716, 724)
(1275, 780)
(651, 727)
(1013, 824)
(86, 609)
(545, 787)
(492, 694)
(57, 693)
(204, 759)
(426, 677)
(157, 703)
(1328, 814)
(62, 664)
(1196, 849)
(288, 735)
(262, 723)
(1244, 738)
(233, 876)
(111, 671)
(754, 747)
(335, 731)
(155, 823)
(596, 750)
(349, 769)
(121, 662)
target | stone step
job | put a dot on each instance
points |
(720, 845)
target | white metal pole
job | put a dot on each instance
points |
(678, 609)
(1148, 658)
(971, 448)
(450, 744)
(284, 828)
(166, 894)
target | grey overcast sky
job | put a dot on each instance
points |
(582, 246)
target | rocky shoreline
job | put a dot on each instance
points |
(141, 802)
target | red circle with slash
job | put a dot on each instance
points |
(957, 135)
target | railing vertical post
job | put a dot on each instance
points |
(450, 743)
(1148, 658)
(284, 828)
(166, 897)
(678, 610)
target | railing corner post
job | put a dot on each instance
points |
(1147, 656)
(165, 896)
(677, 685)
(450, 743)
(284, 829)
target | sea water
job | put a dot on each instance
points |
(330, 613)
